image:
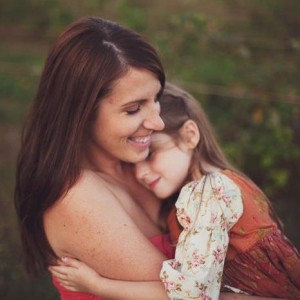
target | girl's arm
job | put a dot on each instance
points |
(206, 209)
(77, 276)
(232, 296)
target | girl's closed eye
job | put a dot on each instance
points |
(150, 154)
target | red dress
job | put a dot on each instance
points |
(162, 242)
(260, 260)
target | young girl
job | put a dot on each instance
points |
(222, 220)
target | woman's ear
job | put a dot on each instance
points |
(190, 134)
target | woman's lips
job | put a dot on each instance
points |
(140, 142)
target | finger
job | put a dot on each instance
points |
(65, 282)
(59, 275)
(62, 269)
(70, 288)
(68, 285)
(57, 262)
(55, 271)
(63, 261)
(60, 262)
(71, 262)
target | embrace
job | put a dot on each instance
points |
(123, 192)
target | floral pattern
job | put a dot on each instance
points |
(260, 260)
(206, 209)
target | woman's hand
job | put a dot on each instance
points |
(76, 276)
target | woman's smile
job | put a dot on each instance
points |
(141, 142)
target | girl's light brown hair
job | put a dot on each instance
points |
(178, 106)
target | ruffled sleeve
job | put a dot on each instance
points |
(207, 209)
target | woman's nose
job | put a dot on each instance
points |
(153, 120)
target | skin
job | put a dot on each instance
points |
(166, 168)
(165, 171)
(77, 276)
(125, 122)
(107, 208)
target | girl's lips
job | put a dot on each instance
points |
(153, 184)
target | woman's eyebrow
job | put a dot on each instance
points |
(140, 101)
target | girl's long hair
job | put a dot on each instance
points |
(178, 106)
(84, 63)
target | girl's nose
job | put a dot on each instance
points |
(141, 171)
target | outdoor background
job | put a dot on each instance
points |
(240, 59)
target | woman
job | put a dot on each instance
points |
(218, 208)
(93, 116)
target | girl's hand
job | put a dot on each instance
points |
(76, 276)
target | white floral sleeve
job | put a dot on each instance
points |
(207, 209)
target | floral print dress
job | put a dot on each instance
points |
(260, 260)
(206, 209)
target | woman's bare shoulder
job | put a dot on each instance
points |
(90, 223)
(90, 189)
(88, 179)
(83, 209)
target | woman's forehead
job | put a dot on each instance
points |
(135, 85)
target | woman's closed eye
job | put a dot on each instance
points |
(134, 109)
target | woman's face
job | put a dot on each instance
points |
(127, 117)
(166, 168)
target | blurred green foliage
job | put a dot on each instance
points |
(240, 59)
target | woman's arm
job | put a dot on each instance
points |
(91, 224)
(77, 276)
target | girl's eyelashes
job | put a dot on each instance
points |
(159, 95)
(150, 154)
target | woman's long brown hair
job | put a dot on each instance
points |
(87, 58)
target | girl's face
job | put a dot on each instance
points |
(126, 119)
(166, 168)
